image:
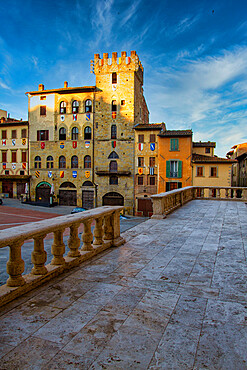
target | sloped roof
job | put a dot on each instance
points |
(148, 126)
(199, 158)
(170, 133)
(203, 144)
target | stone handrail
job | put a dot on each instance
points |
(165, 203)
(106, 234)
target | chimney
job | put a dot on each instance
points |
(65, 84)
(41, 87)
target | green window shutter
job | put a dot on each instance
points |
(180, 169)
(172, 144)
(168, 169)
(176, 144)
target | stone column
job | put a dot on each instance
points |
(87, 236)
(98, 232)
(58, 248)
(39, 256)
(15, 265)
(108, 229)
(74, 241)
(115, 221)
(158, 207)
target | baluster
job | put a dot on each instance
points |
(202, 193)
(98, 232)
(117, 239)
(39, 256)
(108, 230)
(87, 236)
(74, 241)
(234, 193)
(58, 248)
(227, 193)
(217, 193)
(15, 265)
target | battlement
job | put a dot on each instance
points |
(115, 63)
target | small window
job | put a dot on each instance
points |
(14, 156)
(75, 106)
(62, 107)
(13, 134)
(140, 180)
(174, 144)
(23, 156)
(74, 133)
(114, 106)
(22, 173)
(62, 162)
(74, 161)
(113, 131)
(88, 106)
(151, 180)
(49, 162)
(4, 134)
(7, 172)
(87, 133)
(42, 135)
(43, 110)
(213, 171)
(207, 150)
(140, 138)
(113, 166)
(151, 161)
(152, 138)
(62, 133)
(199, 171)
(23, 133)
(114, 77)
(140, 161)
(43, 97)
(87, 161)
(37, 162)
(122, 102)
(113, 155)
(4, 156)
(113, 180)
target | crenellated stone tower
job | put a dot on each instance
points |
(119, 105)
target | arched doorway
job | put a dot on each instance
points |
(87, 195)
(43, 192)
(113, 199)
(67, 194)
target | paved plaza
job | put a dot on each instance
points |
(172, 297)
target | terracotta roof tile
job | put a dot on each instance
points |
(204, 144)
(199, 158)
(170, 133)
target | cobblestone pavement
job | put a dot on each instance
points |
(172, 297)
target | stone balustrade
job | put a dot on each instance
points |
(106, 234)
(165, 203)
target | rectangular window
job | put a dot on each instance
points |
(140, 138)
(4, 134)
(13, 134)
(174, 144)
(14, 156)
(23, 133)
(207, 150)
(152, 138)
(122, 102)
(4, 157)
(140, 180)
(43, 97)
(151, 180)
(213, 171)
(140, 161)
(151, 161)
(173, 169)
(24, 156)
(199, 171)
(7, 172)
(43, 110)
(42, 135)
(114, 77)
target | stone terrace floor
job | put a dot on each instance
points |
(172, 297)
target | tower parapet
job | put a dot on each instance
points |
(117, 64)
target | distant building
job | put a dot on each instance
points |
(239, 168)
(14, 156)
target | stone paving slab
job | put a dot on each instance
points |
(174, 296)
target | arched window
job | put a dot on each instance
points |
(87, 161)
(37, 162)
(75, 106)
(74, 161)
(62, 162)
(62, 133)
(113, 166)
(88, 106)
(113, 155)
(113, 180)
(62, 107)
(113, 131)
(114, 109)
(75, 133)
(87, 133)
(49, 162)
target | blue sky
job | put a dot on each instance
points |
(194, 54)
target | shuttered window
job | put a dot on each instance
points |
(174, 145)
(173, 169)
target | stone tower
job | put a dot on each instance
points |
(119, 105)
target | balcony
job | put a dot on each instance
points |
(172, 296)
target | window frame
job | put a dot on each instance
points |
(113, 131)
(88, 106)
(114, 78)
(199, 171)
(4, 156)
(75, 106)
(13, 156)
(87, 161)
(62, 107)
(49, 162)
(140, 180)
(151, 161)
(212, 172)
(13, 134)
(87, 133)
(42, 110)
(141, 138)
(174, 145)
(140, 161)
(62, 136)
(41, 133)
(74, 133)
(62, 162)
(37, 162)
(113, 180)
(74, 161)
(24, 156)
(152, 179)
(152, 138)
(113, 166)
